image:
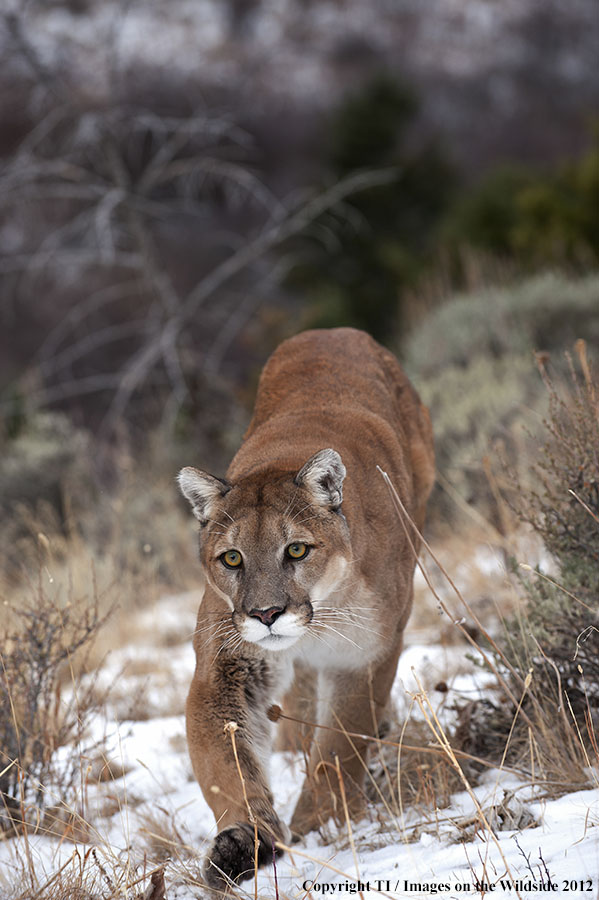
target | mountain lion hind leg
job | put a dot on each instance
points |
(356, 704)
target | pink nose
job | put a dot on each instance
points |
(267, 616)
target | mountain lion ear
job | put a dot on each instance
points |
(323, 476)
(202, 490)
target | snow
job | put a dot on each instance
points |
(535, 839)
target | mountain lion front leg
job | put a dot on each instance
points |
(233, 690)
(349, 701)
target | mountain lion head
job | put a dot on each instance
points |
(273, 548)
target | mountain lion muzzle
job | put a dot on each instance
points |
(307, 575)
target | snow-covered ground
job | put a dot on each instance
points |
(538, 846)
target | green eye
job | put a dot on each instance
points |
(231, 559)
(297, 551)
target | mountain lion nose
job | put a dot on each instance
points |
(267, 616)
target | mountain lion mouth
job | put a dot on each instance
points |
(277, 641)
(285, 631)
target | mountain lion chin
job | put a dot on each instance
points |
(277, 641)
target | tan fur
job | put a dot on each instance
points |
(339, 612)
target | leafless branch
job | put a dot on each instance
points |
(27, 262)
(141, 364)
(90, 304)
(93, 341)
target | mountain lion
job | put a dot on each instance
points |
(307, 573)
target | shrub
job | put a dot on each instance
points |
(563, 618)
(565, 510)
(486, 216)
(546, 312)
(472, 361)
(42, 721)
(549, 653)
(473, 406)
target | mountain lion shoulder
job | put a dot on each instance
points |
(307, 574)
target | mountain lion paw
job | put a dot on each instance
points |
(232, 856)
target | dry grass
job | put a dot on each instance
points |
(86, 875)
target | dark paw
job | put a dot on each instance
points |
(232, 855)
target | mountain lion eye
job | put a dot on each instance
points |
(297, 551)
(231, 559)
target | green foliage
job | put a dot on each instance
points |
(15, 416)
(535, 219)
(357, 265)
(370, 125)
(486, 215)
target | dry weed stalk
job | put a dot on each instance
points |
(230, 729)
(275, 713)
(350, 832)
(440, 734)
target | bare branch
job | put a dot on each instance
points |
(244, 312)
(84, 308)
(93, 341)
(141, 364)
(79, 387)
(27, 262)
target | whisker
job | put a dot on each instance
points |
(300, 511)
(208, 639)
(347, 609)
(320, 639)
(226, 643)
(340, 633)
(307, 519)
(216, 626)
(343, 615)
(289, 508)
(226, 637)
(359, 625)
(220, 524)
(342, 611)
(354, 618)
